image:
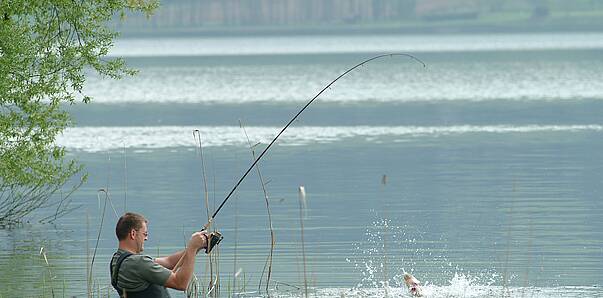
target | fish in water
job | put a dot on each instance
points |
(413, 285)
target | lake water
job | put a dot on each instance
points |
(481, 173)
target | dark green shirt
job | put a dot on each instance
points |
(138, 271)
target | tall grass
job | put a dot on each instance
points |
(235, 270)
(505, 283)
(385, 273)
(385, 234)
(302, 204)
(88, 271)
(213, 258)
(268, 264)
(197, 137)
(50, 276)
(125, 179)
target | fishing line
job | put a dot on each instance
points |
(295, 117)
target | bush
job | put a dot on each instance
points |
(45, 46)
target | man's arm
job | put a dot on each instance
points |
(180, 278)
(169, 261)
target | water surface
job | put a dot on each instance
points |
(480, 174)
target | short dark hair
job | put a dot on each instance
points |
(128, 222)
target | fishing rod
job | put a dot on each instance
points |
(215, 240)
(298, 113)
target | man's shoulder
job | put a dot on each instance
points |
(132, 259)
(142, 267)
(139, 259)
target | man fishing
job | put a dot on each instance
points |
(136, 275)
(139, 275)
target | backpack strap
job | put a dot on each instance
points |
(115, 273)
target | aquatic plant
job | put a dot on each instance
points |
(50, 275)
(302, 203)
(268, 264)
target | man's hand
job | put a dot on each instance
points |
(198, 240)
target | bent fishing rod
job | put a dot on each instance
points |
(215, 240)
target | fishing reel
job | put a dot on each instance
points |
(213, 239)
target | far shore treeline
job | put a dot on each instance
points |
(337, 16)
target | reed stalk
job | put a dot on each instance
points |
(527, 274)
(236, 234)
(99, 230)
(385, 275)
(385, 232)
(505, 285)
(214, 256)
(43, 254)
(88, 272)
(214, 259)
(197, 137)
(213, 286)
(302, 200)
(125, 179)
(268, 264)
(108, 174)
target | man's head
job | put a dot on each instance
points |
(131, 229)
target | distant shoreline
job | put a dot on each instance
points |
(451, 27)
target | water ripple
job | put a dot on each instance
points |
(106, 138)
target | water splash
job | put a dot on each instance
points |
(389, 251)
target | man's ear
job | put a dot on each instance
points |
(131, 234)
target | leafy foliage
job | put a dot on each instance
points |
(46, 48)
